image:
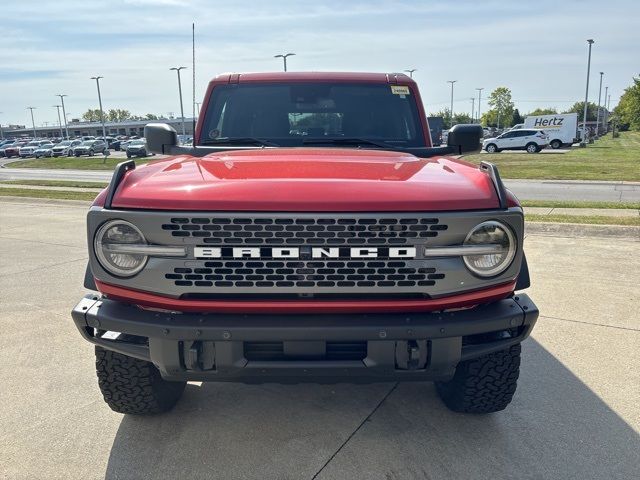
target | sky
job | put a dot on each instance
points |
(538, 49)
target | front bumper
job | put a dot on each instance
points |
(356, 348)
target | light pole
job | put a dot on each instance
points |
(284, 58)
(177, 69)
(451, 111)
(64, 115)
(1, 133)
(410, 72)
(473, 103)
(33, 123)
(59, 120)
(605, 120)
(598, 111)
(479, 97)
(104, 130)
(586, 98)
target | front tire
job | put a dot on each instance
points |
(134, 386)
(532, 148)
(491, 148)
(483, 385)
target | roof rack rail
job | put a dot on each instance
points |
(118, 175)
(491, 170)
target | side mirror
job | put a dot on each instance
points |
(161, 138)
(465, 138)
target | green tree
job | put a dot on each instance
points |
(150, 116)
(517, 118)
(501, 107)
(446, 118)
(91, 115)
(543, 111)
(628, 109)
(578, 108)
(461, 118)
(118, 115)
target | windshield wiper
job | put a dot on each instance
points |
(240, 141)
(349, 141)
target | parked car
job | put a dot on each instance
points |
(44, 150)
(6, 144)
(13, 150)
(29, 149)
(90, 147)
(65, 148)
(137, 148)
(124, 144)
(524, 139)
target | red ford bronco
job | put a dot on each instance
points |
(311, 233)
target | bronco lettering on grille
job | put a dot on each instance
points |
(304, 252)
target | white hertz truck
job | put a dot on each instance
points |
(561, 128)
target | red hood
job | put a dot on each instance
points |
(306, 179)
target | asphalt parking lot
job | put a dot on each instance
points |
(576, 413)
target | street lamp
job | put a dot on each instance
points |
(64, 115)
(177, 69)
(104, 130)
(451, 111)
(59, 120)
(1, 133)
(410, 72)
(473, 104)
(598, 111)
(284, 58)
(479, 97)
(605, 120)
(33, 123)
(586, 98)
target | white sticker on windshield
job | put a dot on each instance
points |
(399, 89)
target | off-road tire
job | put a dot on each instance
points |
(483, 385)
(555, 144)
(532, 148)
(493, 147)
(134, 386)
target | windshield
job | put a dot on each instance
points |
(64, 144)
(136, 142)
(293, 114)
(88, 143)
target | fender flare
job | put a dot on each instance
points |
(523, 281)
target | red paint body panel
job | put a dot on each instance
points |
(306, 306)
(309, 180)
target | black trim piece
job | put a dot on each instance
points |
(491, 170)
(523, 277)
(89, 280)
(118, 175)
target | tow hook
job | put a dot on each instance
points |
(411, 354)
(200, 356)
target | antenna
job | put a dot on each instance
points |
(193, 70)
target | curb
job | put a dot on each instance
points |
(582, 230)
(46, 201)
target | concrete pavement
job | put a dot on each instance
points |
(575, 414)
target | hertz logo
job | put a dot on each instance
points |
(549, 122)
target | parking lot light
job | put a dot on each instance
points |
(479, 98)
(64, 114)
(410, 72)
(59, 119)
(104, 130)
(33, 123)
(598, 111)
(284, 58)
(583, 142)
(177, 69)
(451, 111)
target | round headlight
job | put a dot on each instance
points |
(495, 234)
(110, 239)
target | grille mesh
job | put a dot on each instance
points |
(304, 231)
(316, 273)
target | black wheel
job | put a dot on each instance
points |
(77, 154)
(483, 385)
(532, 148)
(128, 155)
(556, 144)
(134, 386)
(91, 153)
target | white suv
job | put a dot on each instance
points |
(523, 139)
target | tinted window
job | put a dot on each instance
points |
(289, 114)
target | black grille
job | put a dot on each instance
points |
(304, 231)
(313, 273)
(274, 351)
